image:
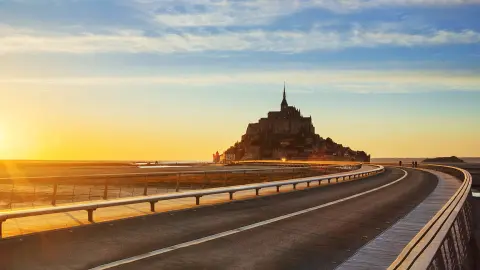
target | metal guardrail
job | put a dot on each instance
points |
(111, 175)
(35, 191)
(91, 207)
(444, 242)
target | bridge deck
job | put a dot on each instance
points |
(384, 249)
(325, 230)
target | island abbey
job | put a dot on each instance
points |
(287, 134)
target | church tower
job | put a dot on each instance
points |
(284, 104)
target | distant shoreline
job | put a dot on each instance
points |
(164, 162)
(93, 163)
(407, 159)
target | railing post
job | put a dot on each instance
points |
(152, 206)
(90, 214)
(294, 186)
(197, 200)
(278, 188)
(177, 187)
(231, 196)
(1, 223)
(308, 184)
(145, 189)
(54, 196)
(105, 191)
(257, 190)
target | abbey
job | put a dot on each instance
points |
(287, 134)
(288, 120)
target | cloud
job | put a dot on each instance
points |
(260, 12)
(359, 81)
(317, 39)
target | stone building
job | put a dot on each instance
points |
(288, 134)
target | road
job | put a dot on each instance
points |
(317, 239)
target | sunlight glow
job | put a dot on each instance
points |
(3, 143)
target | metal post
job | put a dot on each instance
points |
(145, 189)
(152, 206)
(278, 188)
(73, 194)
(177, 188)
(197, 200)
(105, 191)
(11, 195)
(1, 222)
(294, 186)
(90, 214)
(308, 184)
(54, 196)
(257, 190)
(231, 196)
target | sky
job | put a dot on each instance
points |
(181, 79)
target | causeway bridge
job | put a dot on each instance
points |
(257, 215)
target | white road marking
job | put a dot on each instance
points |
(234, 231)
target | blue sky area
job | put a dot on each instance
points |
(405, 75)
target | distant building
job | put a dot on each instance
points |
(288, 134)
(227, 158)
(216, 157)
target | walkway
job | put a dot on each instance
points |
(384, 249)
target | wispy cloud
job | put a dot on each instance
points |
(358, 81)
(254, 40)
(258, 12)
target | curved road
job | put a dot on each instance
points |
(318, 239)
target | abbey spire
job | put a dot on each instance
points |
(284, 104)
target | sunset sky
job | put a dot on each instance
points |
(180, 79)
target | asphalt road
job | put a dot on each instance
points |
(319, 239)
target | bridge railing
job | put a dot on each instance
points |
(90, 207)
(445, 242)
(21, 192)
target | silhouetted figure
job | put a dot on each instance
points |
(400, 163)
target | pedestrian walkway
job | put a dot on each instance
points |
(27, 225)
(385, 248)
